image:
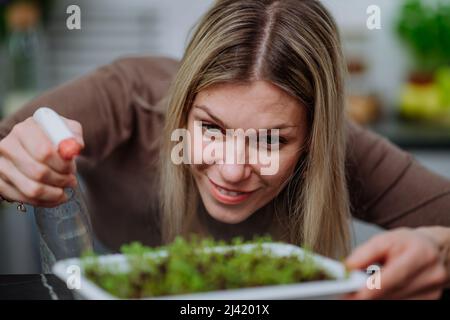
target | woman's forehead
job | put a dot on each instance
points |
(257, 101)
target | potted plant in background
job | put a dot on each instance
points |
(424, 26)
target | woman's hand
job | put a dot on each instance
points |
(31, 170)
(414, 263)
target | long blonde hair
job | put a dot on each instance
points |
(295, 45)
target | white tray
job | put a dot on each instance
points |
(326, 289)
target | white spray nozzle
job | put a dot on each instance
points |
(52, 124)
(58, 132)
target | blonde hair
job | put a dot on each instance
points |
(295, 45)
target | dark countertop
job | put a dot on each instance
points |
(49, 287)
(414, 135)
(33, 287)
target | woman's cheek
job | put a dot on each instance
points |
(213, 150)
(288, 161)
(195, 144)
(205, 153)
(270, 166)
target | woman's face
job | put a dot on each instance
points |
(232, 191)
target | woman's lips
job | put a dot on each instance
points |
(227, 196)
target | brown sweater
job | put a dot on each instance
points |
(119, 106)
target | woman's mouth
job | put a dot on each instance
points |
(227, 196)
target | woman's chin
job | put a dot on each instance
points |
(227, 216)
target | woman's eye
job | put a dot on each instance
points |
(272, 141)
(211, 128)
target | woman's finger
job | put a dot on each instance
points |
(402, 261)
(371, 252)
(10, 193)
(77, 130)
(40, 148)
(429, 280)
(33, 191)
(420, 256)
(397, 271)
(411, 265)
(35, 170)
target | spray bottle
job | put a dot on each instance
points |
(65, 230)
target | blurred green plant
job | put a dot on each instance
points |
(188, 266)
(424, 26)
(44, 7)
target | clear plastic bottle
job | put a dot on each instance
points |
(65, 230)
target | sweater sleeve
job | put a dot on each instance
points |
(389, 187)
(102, 101)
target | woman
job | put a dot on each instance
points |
(263, 64)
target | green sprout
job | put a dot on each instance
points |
(193, 265)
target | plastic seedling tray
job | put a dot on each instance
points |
(343, 282)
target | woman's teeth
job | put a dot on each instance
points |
(229, 193)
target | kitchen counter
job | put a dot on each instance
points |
(414, 135)
(428, 143)
(33, 287)
(49, 287)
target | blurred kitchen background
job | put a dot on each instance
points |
(398, 79)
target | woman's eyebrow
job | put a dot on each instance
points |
(216, 119)
(206, 109)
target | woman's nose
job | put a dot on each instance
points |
(233, 173)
